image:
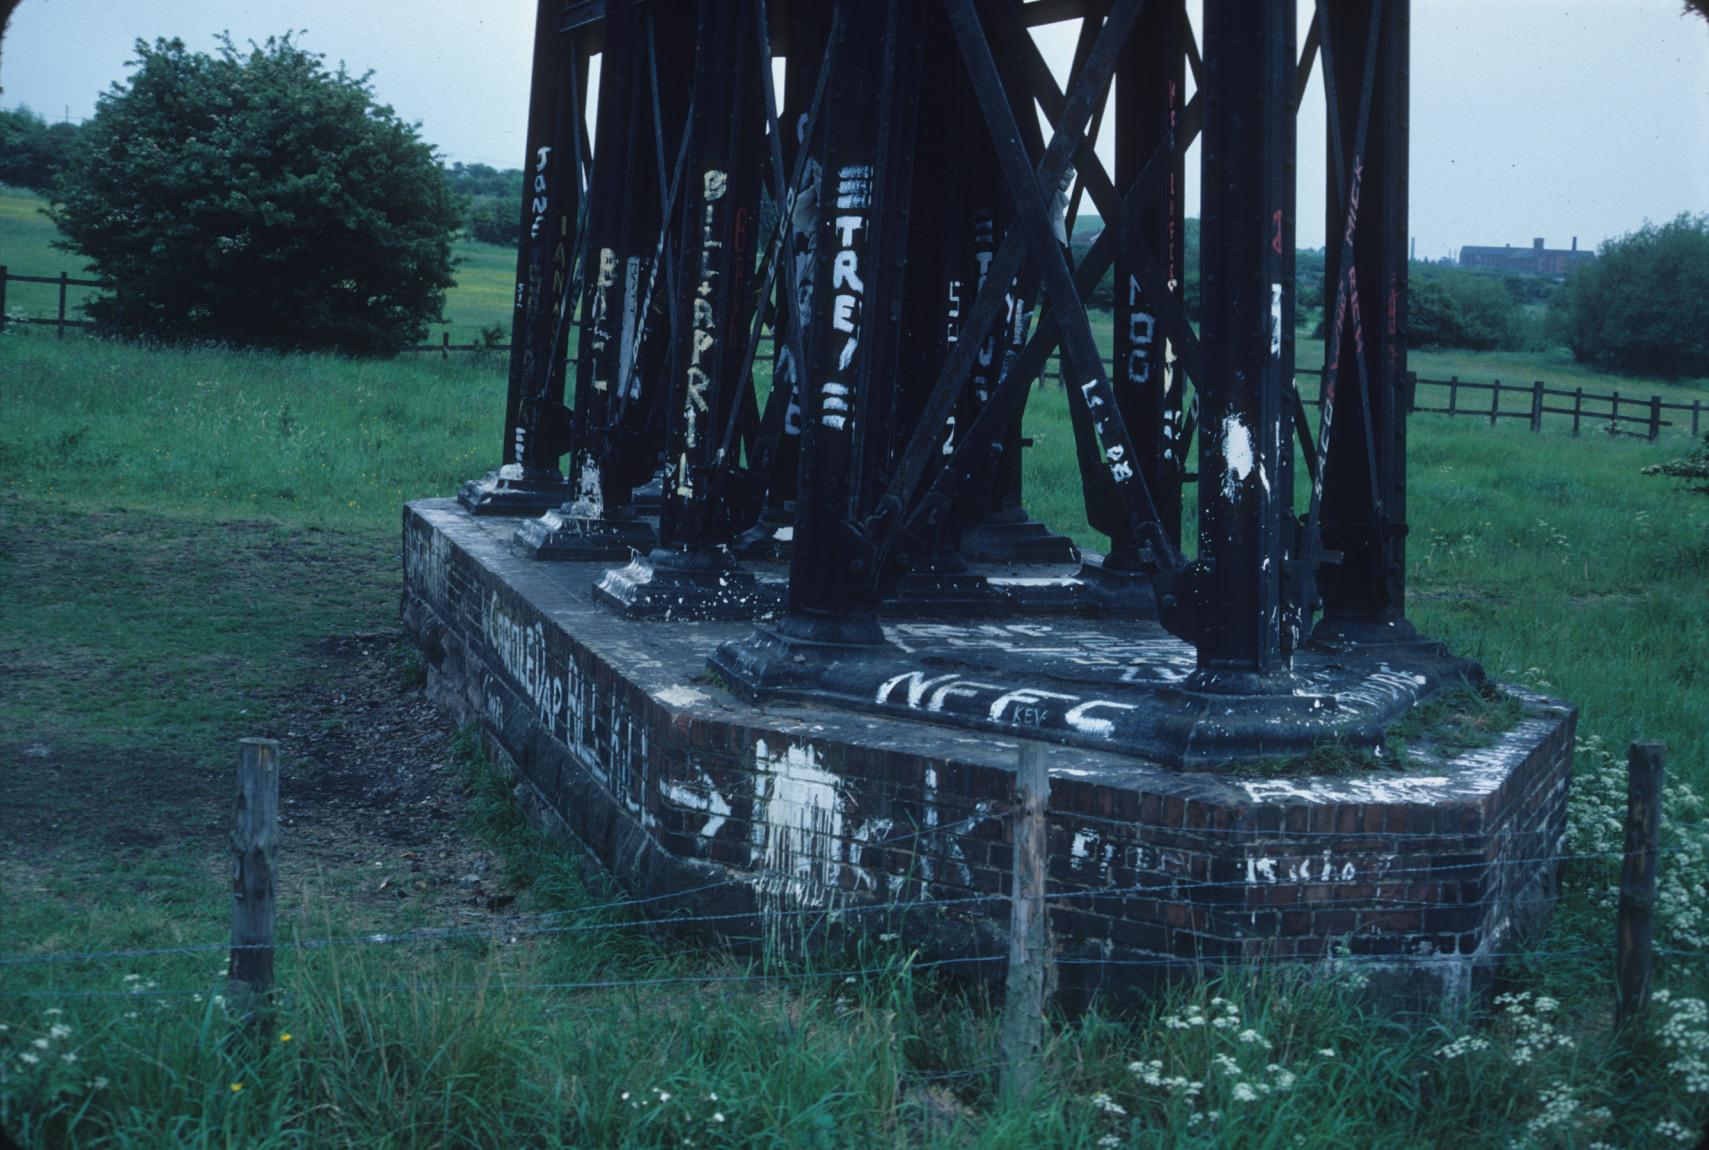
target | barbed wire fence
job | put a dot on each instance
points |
(1630, 945)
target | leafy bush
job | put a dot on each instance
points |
(1693, 468)
(32, 151)
(1643, 306)
(257, 199)
(1451, 308)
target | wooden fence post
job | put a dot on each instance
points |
(1614, 413)
(1696, 404)
(1636, 926)
(445, 346)
(254, 836)
(2, 297)
(1453, 394)
(1655, 418)
(1578, 408)
(1537, 405)
(1494, 402)
(1029, 947)
(61, 332)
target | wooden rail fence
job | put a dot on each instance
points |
(1613, 412)
(64, 282)
(1640, 416)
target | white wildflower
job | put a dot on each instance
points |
(1668, 1128)
(1107, 1104)
(1463, 1046)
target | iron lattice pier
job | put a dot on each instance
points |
(776, 614)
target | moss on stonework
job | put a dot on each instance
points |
(1462, 718)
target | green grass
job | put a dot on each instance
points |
(178, 527)
(26, 248)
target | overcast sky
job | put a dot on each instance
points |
(1549, 118)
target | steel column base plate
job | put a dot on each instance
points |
(769, 662)
(1115, 591)
(1013, 536)
(510, 491)
(771, 538)
(1137, 694)
(700, 584)
(561, 535)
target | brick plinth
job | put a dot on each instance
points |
(620, 739)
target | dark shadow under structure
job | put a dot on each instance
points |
(803, 326)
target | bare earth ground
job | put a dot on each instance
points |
(101, 815)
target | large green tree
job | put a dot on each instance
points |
(257, 198)
(1643, 306)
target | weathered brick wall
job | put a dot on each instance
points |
(671, 785)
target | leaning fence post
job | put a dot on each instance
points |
(254, 836)
(1636, 926)
(1655, 418)
(61, 331)
(1029, 948)
(1537, 405)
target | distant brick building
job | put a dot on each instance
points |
(1535, 260)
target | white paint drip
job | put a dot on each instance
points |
(677, 695)
(1275, 321)
(1237, 456)
(803, 820)
(713, 803)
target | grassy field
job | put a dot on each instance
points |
(186, 532)
(198, 545)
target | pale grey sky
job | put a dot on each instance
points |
(1530, 118)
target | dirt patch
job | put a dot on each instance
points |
(369, 783)
(371, 799)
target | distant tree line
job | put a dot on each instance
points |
(490, 201)
(33, 151)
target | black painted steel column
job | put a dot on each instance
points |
(715, 281)
(1247, 335)
(864, 145)
(620, 241)
(692, 572)
(780, 446)
(536, 426)
(1364, 489)
(1149, 93)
